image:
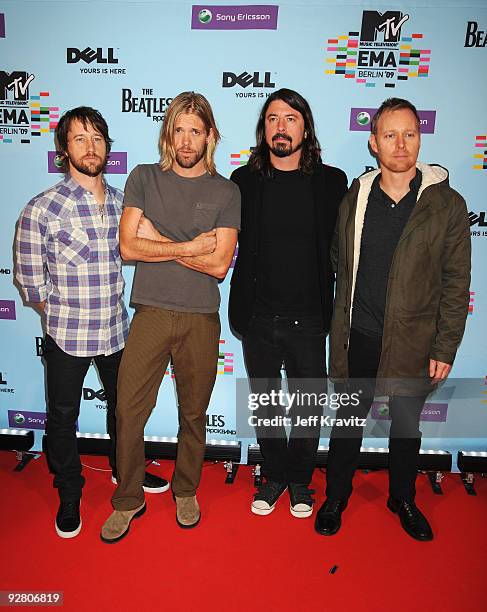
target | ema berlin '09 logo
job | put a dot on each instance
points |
(116, 164)
(474, 37)
(360, 119)
(481, 154)
(240, 17)
(148, 104)
(24, 116)
(386, 50)
(241, 158)
(478, 223)
(471, 303)
(104, 56)
(7, 309)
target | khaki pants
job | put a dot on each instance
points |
(156, 336)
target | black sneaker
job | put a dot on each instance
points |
(266, 498)
(68, 520)
(301, 500)
(152, 483)
(329, 517)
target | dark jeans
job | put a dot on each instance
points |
(404, 436)
(299, 344)
(65, 376)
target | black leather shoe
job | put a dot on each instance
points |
(329, 517)
(413, 521)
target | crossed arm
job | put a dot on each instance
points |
(210, 252)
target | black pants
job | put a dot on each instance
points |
(404, 437)
(299, 344)
(65, 375)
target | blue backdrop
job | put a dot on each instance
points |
(128, 59)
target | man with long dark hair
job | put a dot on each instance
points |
(282, 287)
(68, 266)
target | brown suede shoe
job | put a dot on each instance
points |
(187, 512)
(117, 525)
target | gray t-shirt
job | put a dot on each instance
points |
(180, 208)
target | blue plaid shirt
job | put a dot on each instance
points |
(68, 254)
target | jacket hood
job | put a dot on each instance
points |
(432, 175)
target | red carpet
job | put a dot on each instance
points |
(237, 561)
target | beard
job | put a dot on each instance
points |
(284, 149)
(89, 168)
(189, 161)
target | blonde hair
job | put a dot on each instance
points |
(188, 102)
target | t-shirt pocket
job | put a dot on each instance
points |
(73, 246)
(205, 216)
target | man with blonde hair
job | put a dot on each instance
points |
(180, 224)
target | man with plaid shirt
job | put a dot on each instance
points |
(68, 266)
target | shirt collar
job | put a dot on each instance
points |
(78, 191)
(414, 185)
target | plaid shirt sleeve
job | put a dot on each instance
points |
(30, 250)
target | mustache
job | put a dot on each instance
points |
(284, 136)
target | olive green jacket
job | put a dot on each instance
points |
(428, 287)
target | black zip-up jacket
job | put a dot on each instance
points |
(329, 185)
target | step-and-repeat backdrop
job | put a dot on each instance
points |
(129, 59)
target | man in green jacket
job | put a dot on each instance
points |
(402, 255)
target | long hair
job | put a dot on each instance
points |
(188, 102)
(310, 152)
(86, 115)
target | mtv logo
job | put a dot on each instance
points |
(388, 25)
(16, 82)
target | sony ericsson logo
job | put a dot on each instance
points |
(432, 412)
(238, 17)
(89, 55)
(32, 420)
(116, 163)
(205, 16)
(360, 119)
(363, 118)
(7, 310)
